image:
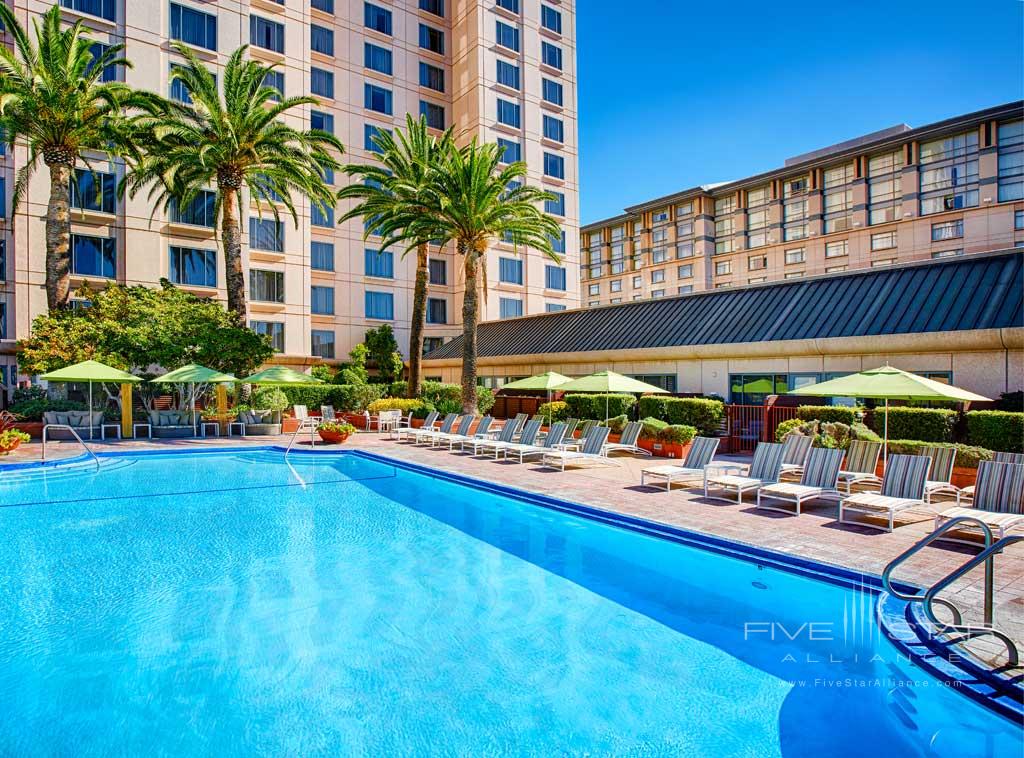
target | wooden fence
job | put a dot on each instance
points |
(749, 424)
(507, 406)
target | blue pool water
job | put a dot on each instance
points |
(233, 604)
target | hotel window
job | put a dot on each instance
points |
(658, 276)
(795, 255)
(555, 207)
(90, 191)
(512, 152)
(266, 234)
(379, 305)
(659, 217)
(638, 282)
(948, 230)
(554, 165)
(327, 6)
(794, 220)
(432, 343)
(554, 130)
(193, 27)
(266, 286)
(437, 310)
(98, 49)
(321, 343)
(551, 92)
(684, 272)
(377, 58)
(199, 212)
(558, 243)
(657, 293)
(433, 6)
(947, 254)
(275, 80)
(102, 8)
(795, 275)
(272, 329)
(377, 18)
(1011, 161)
(554, 307)
(885, 189)
(723, 267)
(883, 241)
(433, 113)
(377, 98)
(659, 255)
(684, 209)
(757, 262)
(618, 232)
(550, 19)
(838, 199)
(322, 121)
(551, 55)
(836, 249)
(193, 266)
(757, 279)
(321, 40)
(684, 250)
(94, 256)
(508, 113)
(321, 83)
(507, 36)
(431, 77)
(369, 132)
(949, 173)
(725, 205)
(510, 307)
(594, 289)
(512, 6)
(685, 289)
(554, 278)
(615, 285)
(438, 268)
(431, 39)
(267, 34)
(377, 263)
(1018, 219)
(684, 229)
(883, 262)
(757, 216)
(321, 256)
(618, 258)
(178, 90)
(835, 269)
(510, 270)
(507, 74)
(321, 217)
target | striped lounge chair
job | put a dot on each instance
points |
(998, 499)
(819, 478)
(482, 428)
(939, 480)
(423, 434)
(591, 452)
(577, 443)
(457, 433)
(764, 470)
(627, 440)
(528, 436)
(516, 423)
(408, 432)
(795, 449)
(507, 434)
(999, 457)
(861, 464)
(692, 468)
(902, 489)
(551, 442)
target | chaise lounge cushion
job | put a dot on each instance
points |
(261, 423)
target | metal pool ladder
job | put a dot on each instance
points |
(302, 427)
(929, 599)
(71, 429)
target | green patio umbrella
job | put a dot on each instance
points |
(280, 376)
(547, 381)
(609, 381)
(90, 371)
(193, 374)
(887, 383)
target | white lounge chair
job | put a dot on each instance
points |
(576, 443)
(692, 467)
(457, 434)
(528, 436)
(627, 440)
(408, 432)
(861, 464)
(327, 413)
(551, 441)
(591, 453)
(426, 435)
(795, 449)
(819, 478)
(902, 489)
(941, 474)
(999, 457)
(998, 499)
(481, 432)
(764, 470)
(507, 434)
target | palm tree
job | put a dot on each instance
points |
(473, 201)
(236, 142)
(394, 194)
(53, 99)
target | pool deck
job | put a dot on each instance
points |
(815, 534)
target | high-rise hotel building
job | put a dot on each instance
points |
(893, 196)
(497, 70)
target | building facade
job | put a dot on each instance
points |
(893, 196)
(496, 71)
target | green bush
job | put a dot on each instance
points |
(484, 399)
(617, 423)
(556, 410)
(830, 434)
(704, 414)
(593, 405)
(652, 428)
(860, 431)
(996, 430)
(269, 399)
(352, 398)
(652, 406)
(835, 413)
(33, 409)
(678, 434)
(405, 405)
(927, 424)
(967, 456)
(791, 425)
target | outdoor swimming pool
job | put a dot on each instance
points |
(237, 603)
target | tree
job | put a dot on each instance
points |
(235, 142)
(473, 201)
(393, 195)
(382, 348)
(52, 98)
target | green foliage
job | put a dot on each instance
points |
(593, 405)
(269, 399)
(790, 425)
(382, 348)
(996, 430)
(703, 413)
(447, 405)
(556, 410)
(652, 406)
(967, 456)
(677, 434)
(352, 398)
(337, 427)
(484, 399)
(652, 428)
(354, 372)
(33, 410)
(861, 431)
(929, 424)
(405, 405)
(616, 424)
(324, 372)
(11, 437)
(837, 413)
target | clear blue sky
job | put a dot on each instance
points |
(675, 93)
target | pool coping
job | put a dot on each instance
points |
(903, 623)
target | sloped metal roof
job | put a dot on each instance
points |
(979, 292)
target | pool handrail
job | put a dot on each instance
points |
(71, 429)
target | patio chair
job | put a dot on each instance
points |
(528, 436)
(764, 470)
(459, 433)
(939, 479)
(408, 432)
(902, 489)
(507, 434)
(516, 423)
(592, 452)
(819, 478)
(998, 499)
(553, 439)
(327, 413)
(423, 434)
(481, 432)
(570, 429)
(967, 493)
(795, 449)
(576, 443)
(300, 412)
(861, 464)
(627, 440)
(700, 454)
(388, 420)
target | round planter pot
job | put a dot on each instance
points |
(5, 449)
(333, 437)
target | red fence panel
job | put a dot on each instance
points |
(750, 424)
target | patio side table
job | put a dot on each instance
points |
(204, 425)
(115, 427)
(239, 424)
(147, 426)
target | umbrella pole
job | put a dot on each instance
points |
(885, 445)
(193, 398)
(90, 411)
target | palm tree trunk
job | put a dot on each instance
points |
(470, 316)
(232, 234)
(58, 237)
(419, 318)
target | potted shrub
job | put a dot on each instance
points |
(10, 439)
(673, 441)
(335, 431)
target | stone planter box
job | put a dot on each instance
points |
(289, 425)
(664, 449)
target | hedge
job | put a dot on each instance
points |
(678, 434)
(831, 413)
(593, 406)
(967, 456)
(554, 411)
(704, 414)
(351, 398)
(418, 408)
(652, 428)
(927, 424)
(446, 398)
(996, 430)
